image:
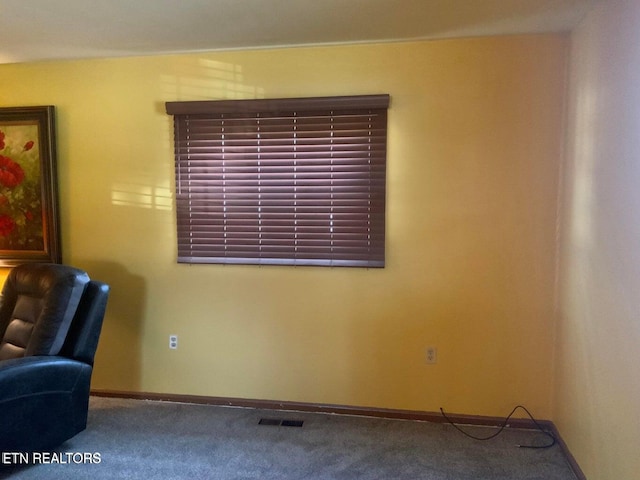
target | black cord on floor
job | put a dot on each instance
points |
(504, 425)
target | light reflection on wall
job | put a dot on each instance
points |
(208, 80)
(199, 79)
(583, 148)
(143, 196)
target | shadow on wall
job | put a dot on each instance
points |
(119, 357)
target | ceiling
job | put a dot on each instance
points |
(35, 30)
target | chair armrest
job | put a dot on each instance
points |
(43, 401)
(21, 377)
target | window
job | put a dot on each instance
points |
(283, 181)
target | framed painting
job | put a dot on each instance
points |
(29, 217)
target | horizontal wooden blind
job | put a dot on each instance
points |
(284, 181)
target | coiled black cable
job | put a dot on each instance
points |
(504, 425)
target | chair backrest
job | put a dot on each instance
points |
(37, 306)
(82, 339)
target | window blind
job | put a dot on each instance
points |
(282, 181)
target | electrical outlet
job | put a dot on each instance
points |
(173, 342)
(431, 355)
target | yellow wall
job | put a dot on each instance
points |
(475, 140)
(597, 401)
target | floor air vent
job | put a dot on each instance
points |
(279, 422)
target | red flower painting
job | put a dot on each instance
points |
(20, 227)
(11, 174)
(6, 225)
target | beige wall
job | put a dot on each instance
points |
(475, 140)
(597, 401)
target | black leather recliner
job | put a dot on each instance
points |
(50, 321)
